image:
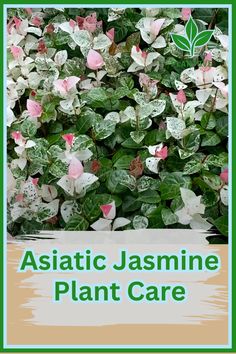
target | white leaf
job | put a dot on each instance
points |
(102, 225)
(137, 136)
(127, 114)
(10, 117)
(48, 210)
(180, 85)
(183, 216)
(187, 75)
(11, 181)
(152, 164)
(67, 104)
(30, 191)
(198, 223)
(30, 144)
(203, 95)
(160, 42)
(68, 209)
(84, 181)
(67, 184)
(192, 202)
(224, 195)
(35, 30)
(61, 57)
(120, 222)
(101, 42)
(65, 26)
(134, 67)
(220, 74)
(154, 148)
(83, 155)
(151, 57)
(48, 192)
(158, 106)
(34, 80)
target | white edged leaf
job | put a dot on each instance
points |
(61, 57)
(176, 127)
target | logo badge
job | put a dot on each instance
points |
(192, 38)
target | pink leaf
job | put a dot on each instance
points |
(35, 181)
(17, 52)
(156, 26)
(34, 108)
(186, 12)
(94, 60)
(17, 136)
(75, 168)
(181, 97)
(72, 23)
(224, 175)
(69, 138)
(17, 22)
(36, 21)
(111, 34)
(163, 153)
(64, 86)
(109, 210)
(105, 209)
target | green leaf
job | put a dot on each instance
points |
(119, 180)
(149, 197)
(77, 223)
(210, 198)
(222, 126)
(208, 121)
(85, 120)
(130, 144)
(191, 29)
(91, 205)
(222, 224)
(155, 219)
(130, 204)
(168, 217)
(203, 38)
(181, 42)
(123, 162)
(210, 139)
(170, 186)
(49, 112)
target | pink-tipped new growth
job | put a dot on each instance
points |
(69, 138)
(181, 97)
